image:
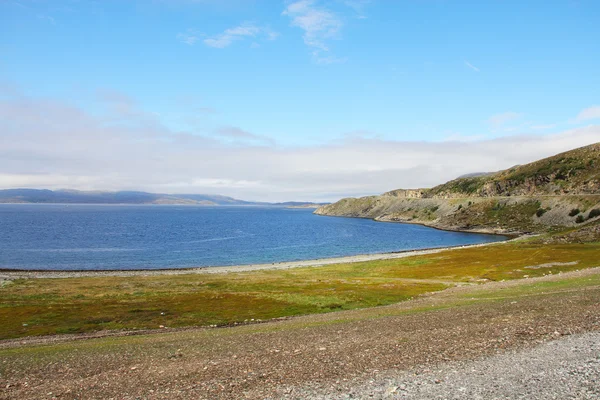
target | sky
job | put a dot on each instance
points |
(308, 100)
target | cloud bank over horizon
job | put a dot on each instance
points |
(46, 143)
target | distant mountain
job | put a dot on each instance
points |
(91, 197)
(129, 197)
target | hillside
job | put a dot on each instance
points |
(546, 195)
(573, 172)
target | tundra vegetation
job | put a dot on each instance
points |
(85, 304)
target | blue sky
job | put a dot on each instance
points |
(286, 79)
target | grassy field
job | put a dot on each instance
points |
(31, 307)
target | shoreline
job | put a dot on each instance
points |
(479, 231)
(11, 274)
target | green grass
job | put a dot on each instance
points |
(50, 306)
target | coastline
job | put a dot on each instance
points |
(11, 274)
(510, 234)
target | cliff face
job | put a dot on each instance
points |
(551, 194)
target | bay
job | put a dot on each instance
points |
(126, 237)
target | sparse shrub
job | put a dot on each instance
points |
(460, 207)
(574, 212)
(594, 213)
(470, 203)
(415, 216)
(434, 209)
(579, 219)
(540, 212)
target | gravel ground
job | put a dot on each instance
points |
(567, 368)
(366, 352)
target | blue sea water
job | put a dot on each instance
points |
(106, 237)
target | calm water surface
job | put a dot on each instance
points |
(96, 237)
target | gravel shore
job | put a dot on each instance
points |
(567, 368)
(34, 274)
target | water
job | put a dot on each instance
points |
(101, 237)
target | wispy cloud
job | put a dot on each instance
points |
(245, 30)
(236, 134)
(318, 23)
(190, 37)
(543, 127)
(474, 68)
(327, 60)
(358, 6)
(588, 114)
(206, 110)
(47, 18)
(500, 120)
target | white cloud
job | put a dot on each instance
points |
(588, 114)
(49, 144)
(240, 32)
(474, 68)
(318, 23)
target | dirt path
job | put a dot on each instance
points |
(278, 359)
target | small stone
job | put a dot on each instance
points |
(391, 390)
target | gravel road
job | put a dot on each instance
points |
(567, 368)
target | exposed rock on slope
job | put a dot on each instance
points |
(553, 193)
